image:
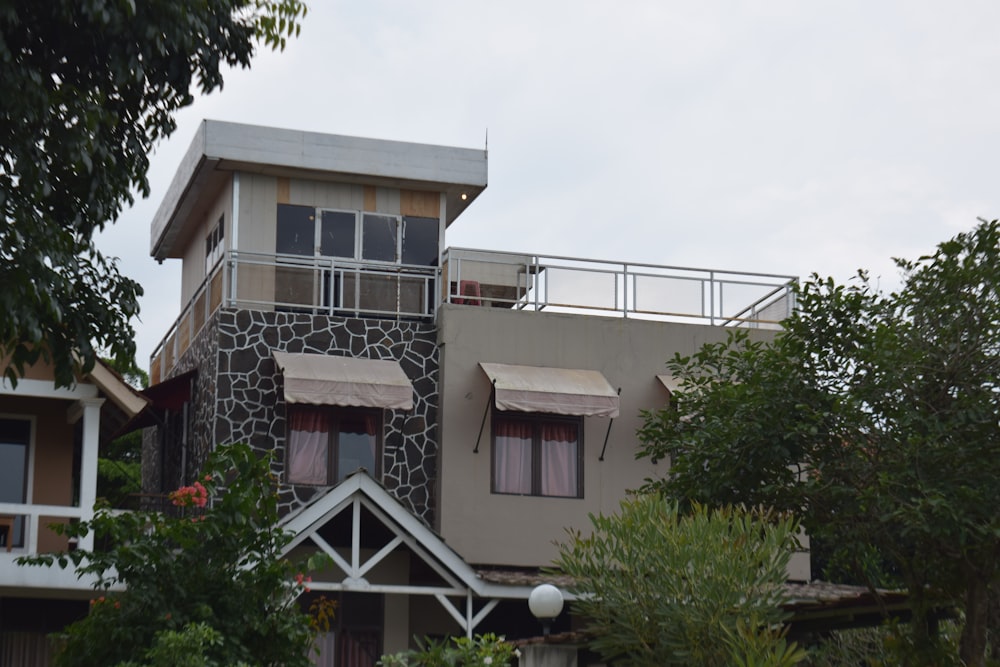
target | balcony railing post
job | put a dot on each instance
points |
(625, 295)
(711, 297)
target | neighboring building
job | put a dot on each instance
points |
(49, 440)
(492, 398)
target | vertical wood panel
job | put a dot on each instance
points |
(284, 191)
(370, 205)
(420, 203)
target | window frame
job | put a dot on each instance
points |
(537, 420)
(19, 536)
(337, 415)
(399, 245)
(215, 242)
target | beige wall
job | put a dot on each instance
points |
(51, 481)
(519, 530)
(193, 271)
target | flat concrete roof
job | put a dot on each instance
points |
(219, 148)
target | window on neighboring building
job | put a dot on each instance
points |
(537, 455)
(214, 244)
(15, 440)
(326, 444)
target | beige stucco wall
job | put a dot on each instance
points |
(51, 455)
(519, 530)
(193, 270)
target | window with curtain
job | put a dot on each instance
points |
(327, 444)
(537, 455)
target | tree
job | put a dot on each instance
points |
(90, 87)
(888, 405)
(119, 466)
(211, 579)
(659, 587)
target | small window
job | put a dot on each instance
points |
(326, 444)
(379, 236)
(537, 455)
(214, 244)
(296, 230)
(420, 241)
(337, 232)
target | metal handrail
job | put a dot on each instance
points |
(523, 281)
(534, 278)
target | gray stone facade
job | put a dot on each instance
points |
(239, 391)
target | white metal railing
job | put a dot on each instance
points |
(317, 285)
(28, 522)
(625, 289)
(323, 285)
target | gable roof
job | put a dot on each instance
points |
(360, 490)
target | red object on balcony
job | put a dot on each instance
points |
(468, 291)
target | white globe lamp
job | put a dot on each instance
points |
(545, 603)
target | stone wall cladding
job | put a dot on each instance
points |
(250, 406)
(200, 355)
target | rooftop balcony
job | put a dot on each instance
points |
(478, 278)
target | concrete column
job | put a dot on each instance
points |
(548, 655)
(88, 462)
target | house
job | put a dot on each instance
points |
(439, 415)
(49, 441)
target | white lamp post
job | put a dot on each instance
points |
(545, 603)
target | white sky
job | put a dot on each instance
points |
(780, 136)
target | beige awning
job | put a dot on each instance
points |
(319, 379)
(670, 383)
(560, 391)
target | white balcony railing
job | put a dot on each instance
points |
(624, 289)
(30, 520)
(328, 286)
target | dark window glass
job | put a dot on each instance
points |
(15, 434)
(296, 230)
(378, 237)
(420, 241)
(336, 236)
(356, 444)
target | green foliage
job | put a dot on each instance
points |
(486, 650)
(181, 648)
(659, 587)
(887, 404)
(119, 468)
(217, 567)
(97, 85)
(888, 645)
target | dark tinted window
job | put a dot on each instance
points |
(378, 240)
(420, 241)
(336, 236)
(296, 230)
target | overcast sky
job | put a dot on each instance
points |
(784, 137)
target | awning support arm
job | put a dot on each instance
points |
(493, 393)
(612, 421)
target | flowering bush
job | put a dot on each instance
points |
(486, 650)
(195, 495)
(216, 584)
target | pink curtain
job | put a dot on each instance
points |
(559, 460)
(308, 444)
(512, 452)
(359, 648)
